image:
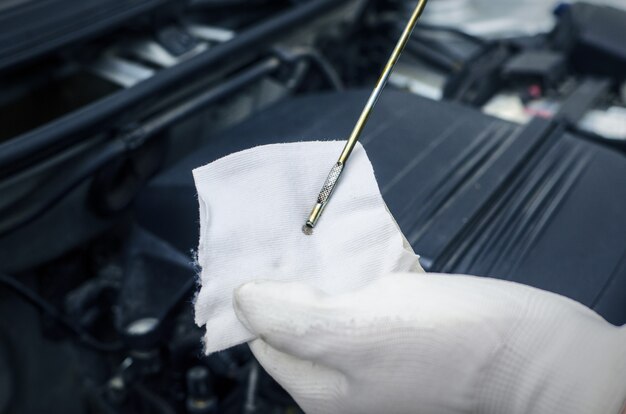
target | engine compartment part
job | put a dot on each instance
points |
(591, 35)
(538, 67)
(57, 133)
(32, 28)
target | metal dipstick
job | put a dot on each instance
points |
(337, 169)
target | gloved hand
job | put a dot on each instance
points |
(415, 343)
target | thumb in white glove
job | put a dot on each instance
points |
(411, 343)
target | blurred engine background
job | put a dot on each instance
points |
(500, 147)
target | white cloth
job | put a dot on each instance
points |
(417, 343)
(253, 205)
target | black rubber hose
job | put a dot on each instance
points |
(84, 337)
(311, 55)
(72, 180)
(326, 68)
(68, 129)
(137, 136)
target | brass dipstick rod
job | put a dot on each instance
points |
(335, 172)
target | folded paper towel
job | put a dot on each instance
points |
(252, 208)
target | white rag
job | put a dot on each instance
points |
(253, 205)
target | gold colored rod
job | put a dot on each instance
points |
(382, 81)
(337, 169)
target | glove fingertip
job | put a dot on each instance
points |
(245, 302)
(261, 304)
(272, 308)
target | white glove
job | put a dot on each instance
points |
(411, 343)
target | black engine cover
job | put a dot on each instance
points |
(473, 194)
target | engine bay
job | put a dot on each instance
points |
(498, 151)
